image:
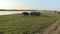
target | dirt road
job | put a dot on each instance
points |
(53, 29)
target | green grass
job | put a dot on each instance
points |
(17, 24)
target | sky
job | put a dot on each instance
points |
(30, 4)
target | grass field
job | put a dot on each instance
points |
(17, 24)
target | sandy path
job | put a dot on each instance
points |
(53, 29)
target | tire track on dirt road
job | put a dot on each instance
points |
(53, 29)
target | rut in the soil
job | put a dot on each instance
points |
(53, 29)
